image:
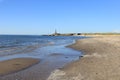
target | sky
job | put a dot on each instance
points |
(37, 17)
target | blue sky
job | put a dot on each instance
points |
(44, 16)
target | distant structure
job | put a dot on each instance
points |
(65, 34)
(55, 32)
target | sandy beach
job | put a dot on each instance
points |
(15, 65)
(101, 60)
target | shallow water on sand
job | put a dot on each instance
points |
(52, 56)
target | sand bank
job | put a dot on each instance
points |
(101, 60)
(14, 65)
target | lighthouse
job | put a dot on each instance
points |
(55, 32)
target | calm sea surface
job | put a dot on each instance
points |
(16, 44)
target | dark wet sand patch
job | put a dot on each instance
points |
(17, 64)
(56, 54)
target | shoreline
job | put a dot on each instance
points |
(56, 57)
(99, 62)
(16, 65)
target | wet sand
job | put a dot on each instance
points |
(101, 60)
(15, 65)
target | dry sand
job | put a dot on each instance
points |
(14, 65)
(101, 60)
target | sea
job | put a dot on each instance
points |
(17, 44)
(50, 50)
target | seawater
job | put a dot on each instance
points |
(17, 44)
(50, 50)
